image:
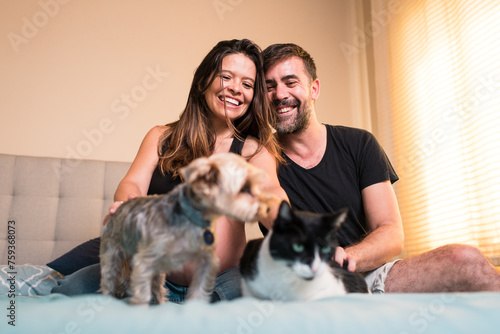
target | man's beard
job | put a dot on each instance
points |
(294, 123)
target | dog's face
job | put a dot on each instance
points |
(228, 185)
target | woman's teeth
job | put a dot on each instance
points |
(232, 101)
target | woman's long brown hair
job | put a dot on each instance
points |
(193, 135)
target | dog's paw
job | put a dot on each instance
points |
(198, 295)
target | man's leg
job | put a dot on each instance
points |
(444, 269)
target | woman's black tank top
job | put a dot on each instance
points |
(164, 183)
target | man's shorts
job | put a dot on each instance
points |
(375, 279)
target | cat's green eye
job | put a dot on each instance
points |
(298, 248)
(326, 250)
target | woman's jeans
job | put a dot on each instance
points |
(87, 280)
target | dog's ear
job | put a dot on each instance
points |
(191, 171)
(210, 175)
(206, 183)
(200, 171)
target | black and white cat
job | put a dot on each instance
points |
(295, 259)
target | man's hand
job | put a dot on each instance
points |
(341, 257)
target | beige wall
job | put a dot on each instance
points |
(88, 78)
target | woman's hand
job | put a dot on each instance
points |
(114, 207)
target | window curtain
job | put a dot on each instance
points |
(437, 64)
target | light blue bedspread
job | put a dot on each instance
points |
(355, 313)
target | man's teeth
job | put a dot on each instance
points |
(284, 110)
(232, 101)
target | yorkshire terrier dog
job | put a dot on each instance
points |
(149, 237)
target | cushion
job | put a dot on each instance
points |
(30, 280)
(79, 257)
(56, 204)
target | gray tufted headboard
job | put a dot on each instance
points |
(48, 205)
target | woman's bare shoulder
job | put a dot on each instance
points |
(250, 146)
(259, 154)
(154, 134)
(158, 130)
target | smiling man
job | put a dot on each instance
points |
(293, 112)
(330, 167)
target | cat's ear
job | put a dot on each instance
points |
(285, 212)
(284, 218)
(338, 217)
(334, 220)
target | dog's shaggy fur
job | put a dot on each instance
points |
(150, 236)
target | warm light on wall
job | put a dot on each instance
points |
(445, 93)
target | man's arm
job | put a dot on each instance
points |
(386, 238)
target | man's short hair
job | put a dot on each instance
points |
(278, 52)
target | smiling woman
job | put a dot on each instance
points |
(234, 70)
(230, 96)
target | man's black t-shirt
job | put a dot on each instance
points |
(353, 161)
